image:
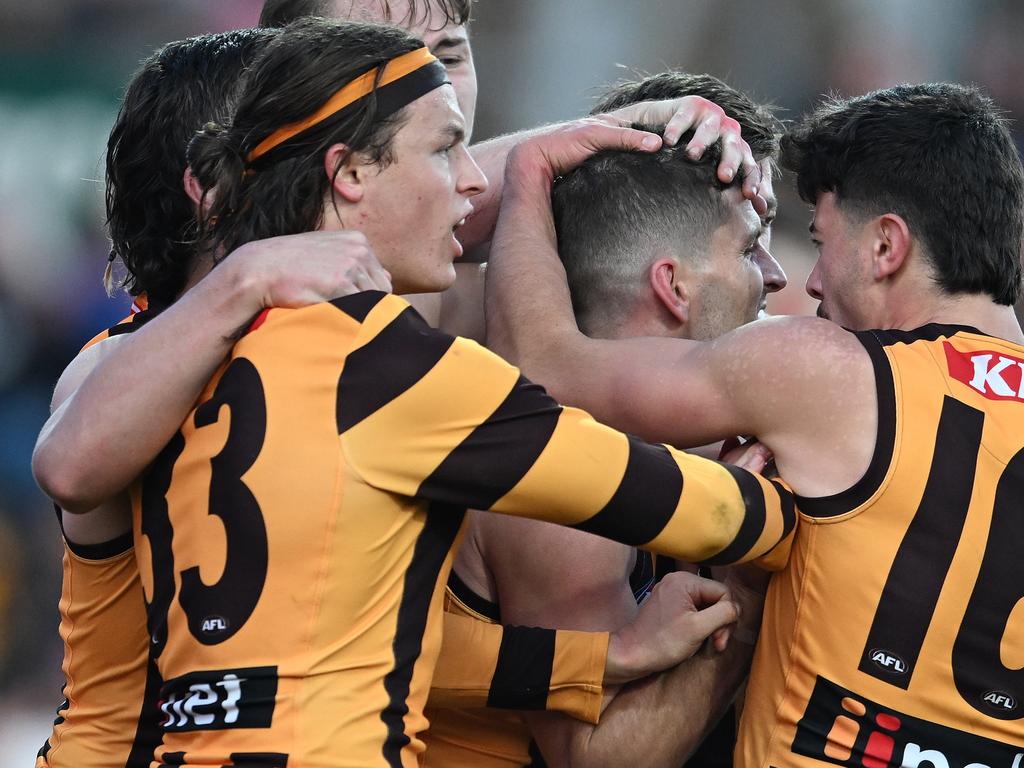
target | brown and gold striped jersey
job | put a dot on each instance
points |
(484, 664)
(295, 537)
(895, 635)
(108, 716)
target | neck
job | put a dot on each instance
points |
(634, 323)
(200, 268)
(973, 309)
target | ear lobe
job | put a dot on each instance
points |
(348, 180)
(193, 188)
(665, 278)
(892, 246)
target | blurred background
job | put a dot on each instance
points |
(64, 63)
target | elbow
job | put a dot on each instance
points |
(66, 482)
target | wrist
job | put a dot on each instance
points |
(528, 170)
(247, 284)
(236, 292)
(620, 664)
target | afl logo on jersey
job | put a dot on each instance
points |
(888, 661)
(1000, 700)
(214, 625)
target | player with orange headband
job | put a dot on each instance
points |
(295, 536)
(102, 610)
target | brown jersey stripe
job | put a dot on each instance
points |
(259, 760)
(148, 731)
(753, 522)
(156, 527)
(431, 549)
(358, 305)
(522, 675)
(386, 366)
(652, 482)
(978, 667)
(496, 455)
(916, 577)
(133, 322)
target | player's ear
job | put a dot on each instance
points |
(347, 172)
(666, 279)
(193, 188)
(891, 244)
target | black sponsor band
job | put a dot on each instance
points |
(872, 734)
(220, 699)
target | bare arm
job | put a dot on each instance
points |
(774, 378)
(154, 375)
(111, 517)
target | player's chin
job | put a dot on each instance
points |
(442, 277)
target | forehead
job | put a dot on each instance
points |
(433, 114)
(742, 222)
(427, 20)
(826, 213)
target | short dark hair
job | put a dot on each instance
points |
(759, 126)
(278, 13)
(283, 191)
(617, 209)
(150, 219)
(940, 156)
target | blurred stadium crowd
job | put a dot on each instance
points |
(63, 64)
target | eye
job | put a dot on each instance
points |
(450, 61)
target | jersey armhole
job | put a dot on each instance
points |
(470, 601)
(104, 550)
(885, 440)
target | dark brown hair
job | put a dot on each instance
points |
(151, 220)
(618, 208)
(940, 156)
(283, 191)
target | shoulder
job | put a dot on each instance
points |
(790, 339)
(790, 356)
(84, 363)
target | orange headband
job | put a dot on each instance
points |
(396, 69)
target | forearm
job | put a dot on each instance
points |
(528, 306)
(665, 716)
(144, 389)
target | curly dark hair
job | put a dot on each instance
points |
(283, 191)
(150, 219)
(940, 156)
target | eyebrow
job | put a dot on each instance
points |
(454, 131)
(450, 42)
